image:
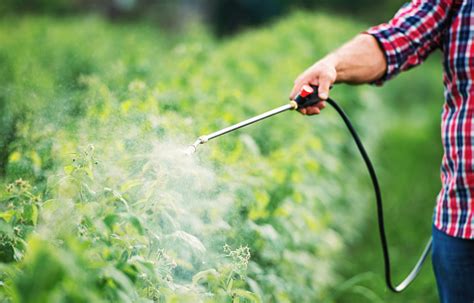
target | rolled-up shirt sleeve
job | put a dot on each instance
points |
(412, 34)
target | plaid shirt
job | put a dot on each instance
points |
(418, 29)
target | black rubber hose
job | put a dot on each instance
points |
(378, 197)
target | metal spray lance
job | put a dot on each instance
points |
(307, 97)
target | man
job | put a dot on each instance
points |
(377, 55)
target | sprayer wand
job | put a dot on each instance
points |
(304, 99)
(307, 97)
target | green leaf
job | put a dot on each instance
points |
(137, 224)
(7, 253)
(6, 229)
(30, 213)
(130, 184)
(17, 254)
(230, 285)
(254, 287)
(121, 280)
(68, 169)
(89, 171)
(205, 274)
(7, 215)
(242, 293)
(110, 220)
(190, 240)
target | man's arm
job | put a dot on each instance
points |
(402, 43)
(358, 61)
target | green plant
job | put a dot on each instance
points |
(102, 114)
(19, 211)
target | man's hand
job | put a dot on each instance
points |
(360, 60)
(322, 74)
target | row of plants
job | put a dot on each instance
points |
(99, 202)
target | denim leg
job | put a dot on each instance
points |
(453, 265)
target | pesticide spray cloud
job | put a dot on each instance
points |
(144, 199)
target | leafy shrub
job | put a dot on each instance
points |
(260, 215)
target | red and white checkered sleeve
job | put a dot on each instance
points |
(413, 33)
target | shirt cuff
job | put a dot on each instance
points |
(380, 33)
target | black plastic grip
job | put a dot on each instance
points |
(309, 100)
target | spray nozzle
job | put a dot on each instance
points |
(192, 148)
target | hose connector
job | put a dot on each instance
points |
(294, 105)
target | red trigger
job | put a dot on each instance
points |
(306, 91)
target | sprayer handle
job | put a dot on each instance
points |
(307, 97)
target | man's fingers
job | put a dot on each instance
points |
(321, 104)
(303, 111)
(312, 110)
(295, 91)
(324, 86)
(299, 83)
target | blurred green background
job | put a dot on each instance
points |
(89, 212)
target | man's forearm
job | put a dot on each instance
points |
(358, 61)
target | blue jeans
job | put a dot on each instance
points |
(453, 265)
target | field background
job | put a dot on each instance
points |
(97, 202)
